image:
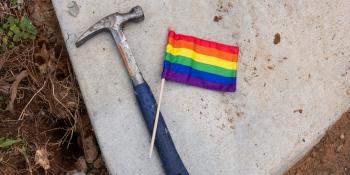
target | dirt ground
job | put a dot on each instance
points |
(40, 102)
(331, 156)
(41, 105)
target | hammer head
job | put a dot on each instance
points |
(111, 23)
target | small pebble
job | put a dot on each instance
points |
(90, 149)
(98, 163)
(73, 8)
(342, 136)
(81, 165)
(19, 4)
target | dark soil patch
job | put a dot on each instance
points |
(48, 114)
(331, 155)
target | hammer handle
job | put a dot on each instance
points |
(171, 160)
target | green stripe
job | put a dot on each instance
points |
(200, 66)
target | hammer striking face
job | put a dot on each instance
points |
(114, 24)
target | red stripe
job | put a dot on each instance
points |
(204, 43)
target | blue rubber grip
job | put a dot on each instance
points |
(171, 160)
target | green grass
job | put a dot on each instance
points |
(15, 30)
(6, 143)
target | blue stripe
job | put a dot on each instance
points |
(178, 68)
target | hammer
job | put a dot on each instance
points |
(113, 24)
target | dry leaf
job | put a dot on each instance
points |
(44, 60)
(42, 158)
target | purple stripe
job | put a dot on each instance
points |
(187, 79)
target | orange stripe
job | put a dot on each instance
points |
(205, 43)
(125, 59)
(203, 50)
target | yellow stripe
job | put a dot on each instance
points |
(201, 58)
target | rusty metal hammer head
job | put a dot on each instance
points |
(112, 23)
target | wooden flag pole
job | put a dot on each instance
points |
(155, 126)
(156, 119)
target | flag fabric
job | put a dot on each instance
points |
(197, 62)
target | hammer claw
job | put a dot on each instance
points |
(101, 26)
(86, 36)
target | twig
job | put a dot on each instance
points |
(69, 112)
(24, 153)
(24, 109)
(49, 130)
(155, 126)
(6, 13)
(13, 90)
(59, 102)
(2, 62)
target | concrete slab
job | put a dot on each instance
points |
(288, 93)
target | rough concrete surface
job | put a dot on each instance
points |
(289, 89)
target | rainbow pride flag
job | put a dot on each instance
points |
(201, 63)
